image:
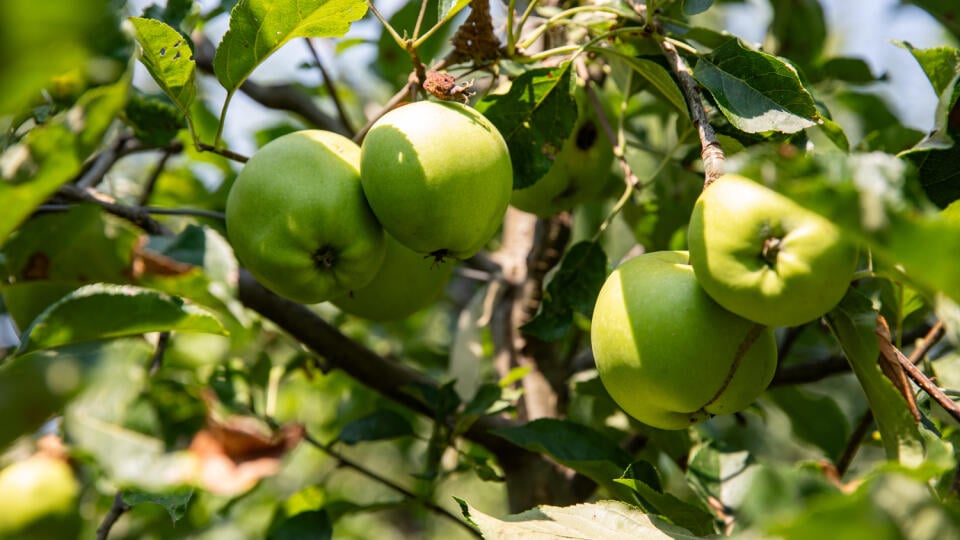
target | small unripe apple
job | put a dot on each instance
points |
(38, 500)
(765, 257)
(667, 353)
(580, 171)
(406, 283)
(298, 221)
(437, 176)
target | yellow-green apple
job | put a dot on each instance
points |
(38, 499)
(406, 283)
(667, 353)
(298, 221)
(764, 257)
(437, 176)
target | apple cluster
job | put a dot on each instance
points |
(681, 336)
(315, 217)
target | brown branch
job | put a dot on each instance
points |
(854, 443)
(282, 97)
(116, 510)
(711, 152)
(175, 148)
(888, 350)
(429, 505)
(934, 335)
(391, 104)
(229, 154)
(331, 88)
(138, 216)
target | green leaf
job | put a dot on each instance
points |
(259, 27)
(169, 60)
(854, 324)
(573, 289)
(447, 9)
(309, 525)
(696, 519)
(155, 121)
(100, 311)
(938, 173)
(815, 419)
(174, 502)
(940, 64)
(535, 117)
(798, 30)
(577, 446)
(945, 11)
(35, 386)
(854, 70)
(54, 153)
(377, 426)
(655, 74)
(695, 7)
(757, 92)
(604, 520)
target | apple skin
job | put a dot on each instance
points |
(38, 500)
(406, 283)
(438, 177)
(579, 173)
(298, 221)
(805, 274)
(667, 353)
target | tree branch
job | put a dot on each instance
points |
(711, 152)
(116, 510)
(331, 88)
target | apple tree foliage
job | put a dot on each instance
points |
(190, 402)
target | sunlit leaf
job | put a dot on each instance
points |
(757, 92)
(655, 74)
(100, 311)
(169, 60)
(259, 27)
(604, 520)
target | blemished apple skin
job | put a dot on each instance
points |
(765, 257)
(438, 176)
(667, 353)
(298, 220)
(406, 283)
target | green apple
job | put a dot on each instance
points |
(406, 283)
(38, 500)
(298, 220)
(437, 176)
(667, 353)
(765, 257)
(580, 171)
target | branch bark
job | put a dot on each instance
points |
(711, 152)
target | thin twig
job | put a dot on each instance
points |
(137, 216)
(711, 152)
(854, 443)
(163, 341)
(103, 162)
(229, 154)
(934, 335)
(151, 183)
(391, 104)
(429, 505)
(132, 213)
(116, 510)
(331, 88)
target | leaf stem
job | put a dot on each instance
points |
(402, 43)
(223, 119)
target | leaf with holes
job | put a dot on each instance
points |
(757, 92)
(92, 312)
(535, 117)
(259, 27)
(169, 59)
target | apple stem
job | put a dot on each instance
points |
(771, 249)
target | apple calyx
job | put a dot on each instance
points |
(325, 257)
(771, 250)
